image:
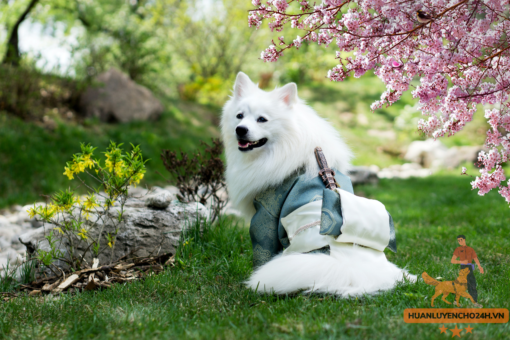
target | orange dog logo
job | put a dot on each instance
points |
(457, 287)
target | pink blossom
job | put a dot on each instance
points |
(254, 20)
(270, 54)
(457, 57)
(281, 5)
(298, 41)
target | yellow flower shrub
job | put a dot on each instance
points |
(75, 218)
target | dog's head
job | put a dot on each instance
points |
(463, 275)
(268, 136)
(255, 119)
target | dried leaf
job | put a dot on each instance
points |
(123, 266)
(91, 285)
(100, 275)
(170, 261)
(69, 281)
(49, 287)
(104, 284)
(153, 267)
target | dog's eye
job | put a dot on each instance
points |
(240, 116)
(261, 120)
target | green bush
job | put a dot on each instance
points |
(29, 94)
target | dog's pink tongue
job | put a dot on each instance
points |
(243, 145)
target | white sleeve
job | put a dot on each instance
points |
(365, 221)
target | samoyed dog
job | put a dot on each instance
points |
(269, 136)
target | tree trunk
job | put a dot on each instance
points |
(12, 55)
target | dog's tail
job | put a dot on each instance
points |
(429, 280)
(286, 274)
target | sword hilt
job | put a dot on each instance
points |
(327, 174)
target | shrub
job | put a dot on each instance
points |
(28, 94)
(199, 177)
(80, 220)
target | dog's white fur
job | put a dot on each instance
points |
(293, 131)
(352, 275)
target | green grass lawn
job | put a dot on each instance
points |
(203, 296)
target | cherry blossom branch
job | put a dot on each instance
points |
(460, 56)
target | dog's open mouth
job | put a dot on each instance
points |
(246, 145)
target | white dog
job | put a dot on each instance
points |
(272, 177)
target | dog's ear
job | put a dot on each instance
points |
(288, 94)
(243, 85)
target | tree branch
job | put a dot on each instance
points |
(12, 55)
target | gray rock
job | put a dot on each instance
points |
(172, 189)
(429, 154)
(159, 199)
(363, 175)
(10, 257)
(144, 230)
(404, 171)
(7, 233)
(433, 154)
(468, 153)
(119, 100)
(3, 220)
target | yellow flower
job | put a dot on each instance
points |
(88, 162)
(109, 165)
(111, 244)
(32, 212)
(48, 211)
(62, 208)
(44, 213)
(59, 230)
(115, 165)
(68, 172)
(118, 167)
(90, 203)
(78, 167)
(136, 179)
(53, 208)
(83, 234)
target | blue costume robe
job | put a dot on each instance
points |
(267, 233)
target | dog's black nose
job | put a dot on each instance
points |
(241, 131)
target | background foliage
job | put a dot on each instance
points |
(187, 53)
